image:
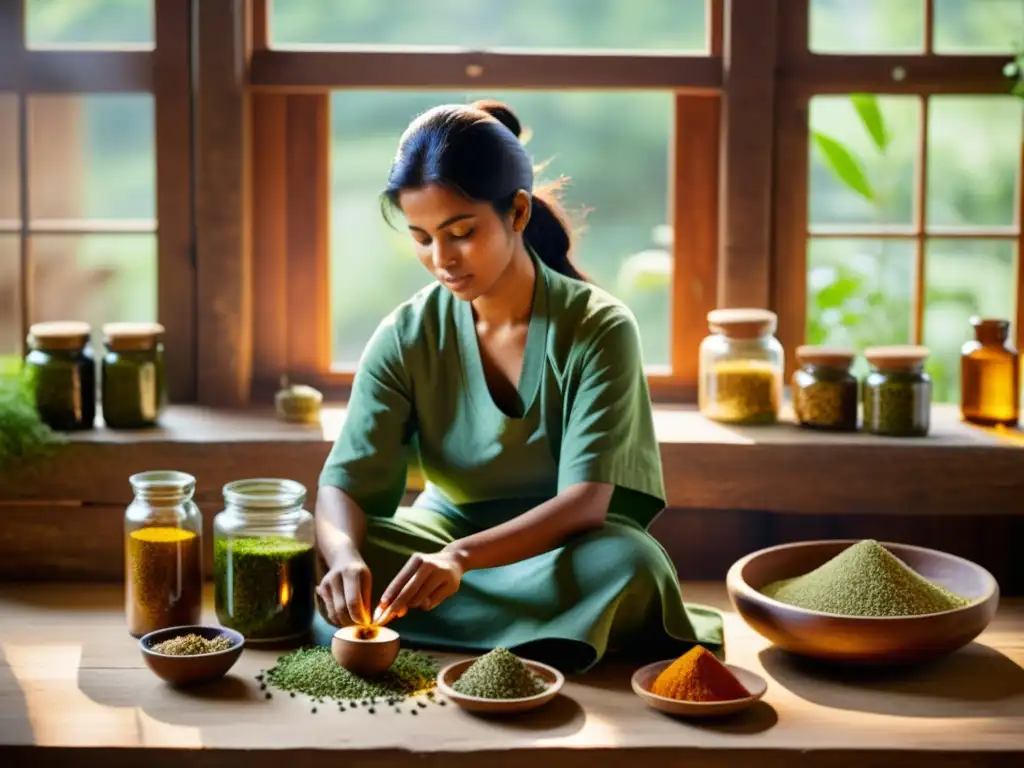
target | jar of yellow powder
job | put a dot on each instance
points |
(163, 553)
(740, 368)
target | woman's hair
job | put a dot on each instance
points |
(475, 151)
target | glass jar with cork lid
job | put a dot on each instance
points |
(133, 387)
(163, 553)
(897, 391)
(264, 560)
(740, 367)
(990, 375)
(825, 392)
(61, 372)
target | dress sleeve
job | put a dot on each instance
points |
(369, 460)
(609, 430)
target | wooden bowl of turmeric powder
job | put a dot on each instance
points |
(863, 601)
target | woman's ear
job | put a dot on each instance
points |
(521, 207)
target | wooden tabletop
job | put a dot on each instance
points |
(73, 683)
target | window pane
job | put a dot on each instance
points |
(867, 26)
(625, 194)
(8, 160)
(978, 26)
(95, 278)
(974, 146)
(863, 159)
(60, 23)
(964, 278)
(859, 292)
(674, 25)
(10, 296)
(92, 157)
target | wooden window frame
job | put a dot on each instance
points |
(804, 74)
(164, 70)
(719, 207)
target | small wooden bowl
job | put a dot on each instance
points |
(553, 679)
(891, 640)
(366, 658)
(191, 670)
(644, 678)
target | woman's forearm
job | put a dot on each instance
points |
(576, 510)
(340, 525)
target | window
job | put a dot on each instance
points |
(605, 103)
(908, 194)
(86, 85)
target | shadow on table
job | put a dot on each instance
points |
(757, 719)
(16, 727)
(976, 681)
(563, 716)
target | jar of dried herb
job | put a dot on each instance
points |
(824, 390)
(163, 553)
(133, 387)
(740, 367)
(897, 392)
(61, 371)
(264, 560)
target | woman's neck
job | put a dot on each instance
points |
(510, 300)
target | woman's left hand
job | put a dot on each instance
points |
(425, 582)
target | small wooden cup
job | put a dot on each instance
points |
(366, 657)
(553, 679)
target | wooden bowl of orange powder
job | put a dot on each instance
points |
(697, 684)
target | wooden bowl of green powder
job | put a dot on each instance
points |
(863, 601)
(499, 682)
(191, 654)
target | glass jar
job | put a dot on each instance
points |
(825, 393)
(163, 553)
(264, 560)
(897, 392)
(990, 375)
(61, 371)
(133, 386)
(740, 369)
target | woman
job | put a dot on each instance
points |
(519, 389)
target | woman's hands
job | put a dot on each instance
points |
(425, 582)
(345, 590)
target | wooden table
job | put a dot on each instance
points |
(74, 690)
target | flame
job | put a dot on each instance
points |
(284, 594)
(367, 633)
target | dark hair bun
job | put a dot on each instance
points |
(502, 113)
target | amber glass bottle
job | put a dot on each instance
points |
(990, 375)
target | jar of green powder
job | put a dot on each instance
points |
(824, 389)
(897, 392)
(264, 560)
(61, 372)
(133, 385)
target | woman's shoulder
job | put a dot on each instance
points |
(586, 309)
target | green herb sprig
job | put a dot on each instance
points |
(23, 435)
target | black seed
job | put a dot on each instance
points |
(415, 712)
(292, 694)
(268, 694)
(421, 705)
(314, 710)
(354, 705)
(398, 711)
(263, 686)
(372, 711)
(443, 703)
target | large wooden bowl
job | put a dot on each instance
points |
(895, 640)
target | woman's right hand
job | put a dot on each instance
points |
(345, 590)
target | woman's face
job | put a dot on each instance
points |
(466, 245)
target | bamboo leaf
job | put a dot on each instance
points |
(845, 165)
(870, 114)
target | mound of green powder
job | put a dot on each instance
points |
(315, 673)
(499, 675)
(865, 579)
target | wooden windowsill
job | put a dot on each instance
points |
(957, 469)
(74, 690)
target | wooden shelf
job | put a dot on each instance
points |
(74, 690)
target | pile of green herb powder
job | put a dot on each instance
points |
(865, 580)
(499, 675)
(313, 672)
(264, 586)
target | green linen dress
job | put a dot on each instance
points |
(420, 396)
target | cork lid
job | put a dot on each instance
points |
(123, 337)
(742, 323)
(830, 357)
(903, 357)
(70, 335)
